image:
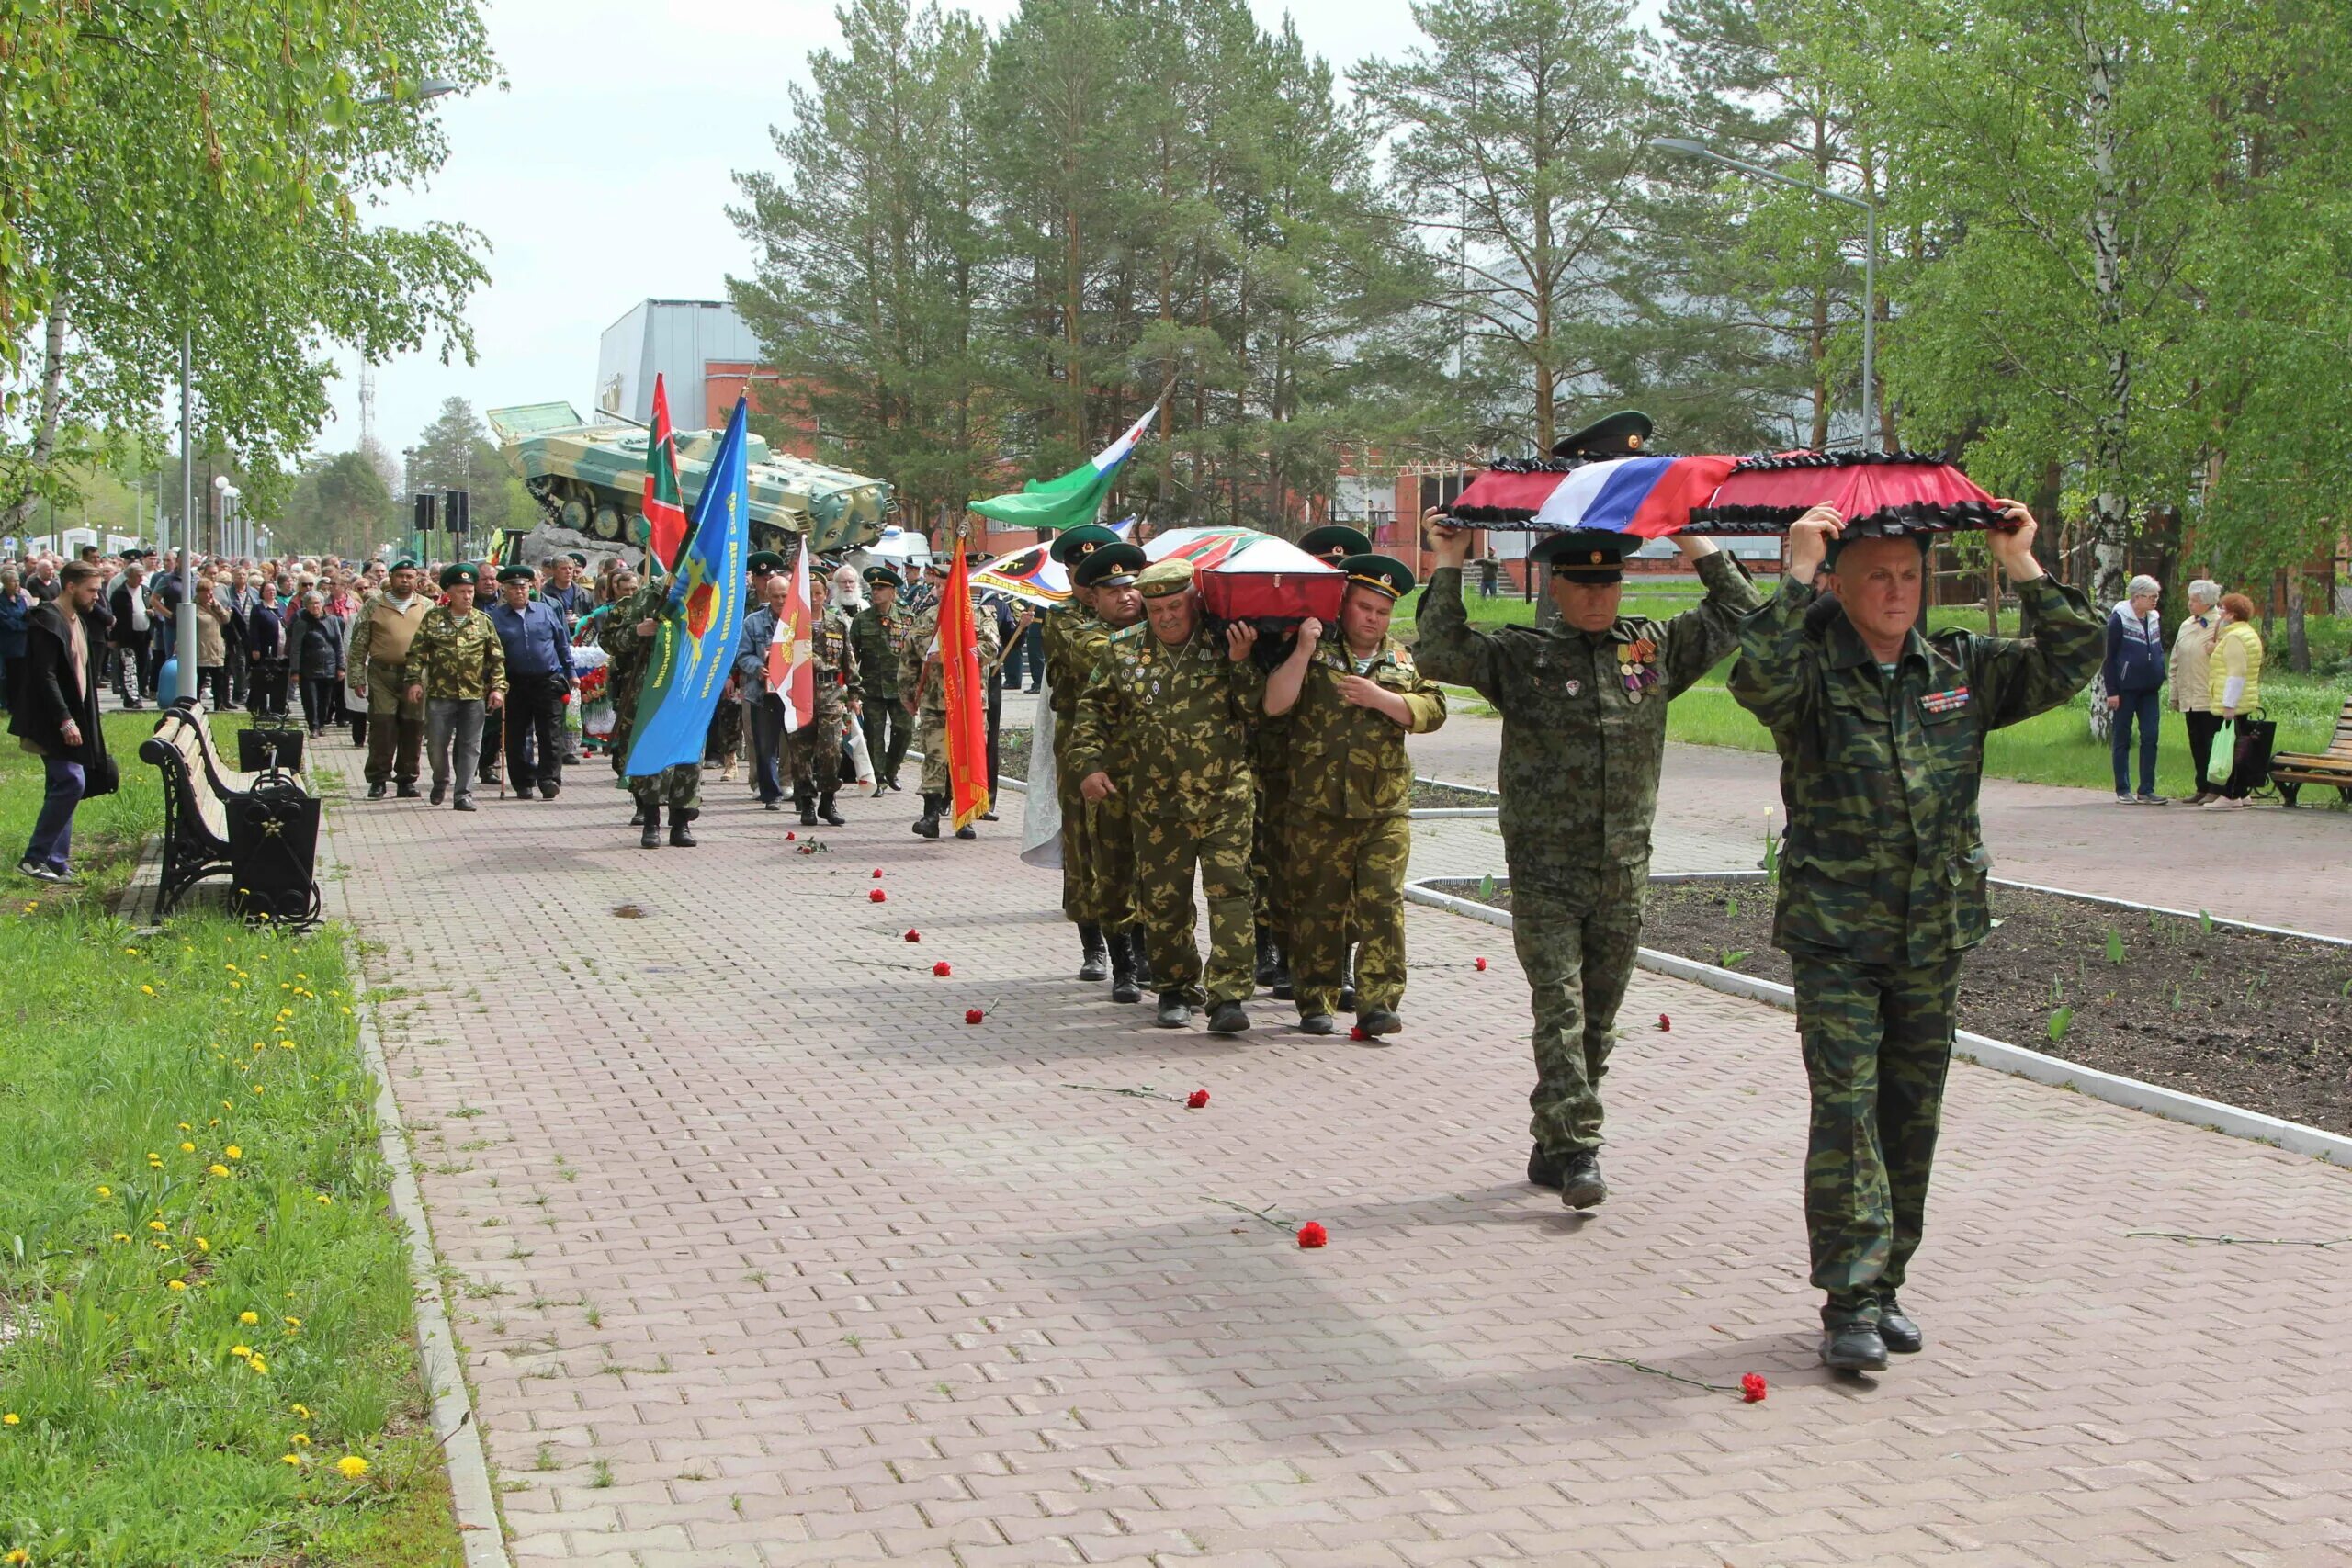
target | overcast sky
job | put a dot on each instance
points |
(602, 177)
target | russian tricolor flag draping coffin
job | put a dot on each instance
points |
(1646, 497)
(1244, 575)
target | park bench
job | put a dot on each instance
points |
(261, 830)
(2291, 771)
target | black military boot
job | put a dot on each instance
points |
(1095, 960)
(681, 836)
(804, 797)
(1895, 1328)
(1854, 1346)
(1543, 1170)
(1348, 984)
(637, 812)
(1143, 955)
(1123, 970)
(405, 789)
(1379, 1022)
(650, 837)
(1269, 960)
(1580, 1184)
(1175, 1012)
(440, 793)
(1317, 1023)
(1283, 986)
(380, 789)
(826, 814)
(927, 825)
(1229, 1017)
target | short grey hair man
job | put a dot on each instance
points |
(2204, 594)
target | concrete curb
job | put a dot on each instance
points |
(1452, 813)
(2130, 1093)
(472, 1498)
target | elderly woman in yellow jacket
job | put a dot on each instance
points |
(2236, 683)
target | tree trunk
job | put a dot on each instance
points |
(2299, 642)
(2111, 516)
(46, 421)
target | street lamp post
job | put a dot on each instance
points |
(1691, 149)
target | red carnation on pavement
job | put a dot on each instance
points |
(789, 836)
(1357, 1033)
(1751, 1388)
(877, 874)
(878, 896)
(1312, 1233)
(1480, 965)
(1195, 1100)
(942, 969)
(914, 935)
(1665, 1024)
(973, 1015)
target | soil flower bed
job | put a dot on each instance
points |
(2246, 1018)
(1012, 764)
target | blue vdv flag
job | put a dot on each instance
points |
(694, 647)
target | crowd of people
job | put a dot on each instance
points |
(2214, 668)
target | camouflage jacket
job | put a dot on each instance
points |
(1584, 720)
(453, 656)
(1347, 760)
(919, 659)
(880, 636)
(1182, 716)
(1884, 860)
(1072, 638)
(630, 652)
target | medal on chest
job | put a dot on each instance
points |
(1636, 668)
(1940, 702)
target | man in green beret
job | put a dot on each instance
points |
(1881, 882)
(880, 636)
(1106, 832)
(456, 669)
(1352, 694)
(382, 629)
(1583, 704)
(1181, 700)
(628, 639)
(1070, 636)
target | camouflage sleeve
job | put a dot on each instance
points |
(912, 656)
(1774, 676)
(2019, 677)
(849, 657)
(1425, 705)
(1697, 639)
(363, 633)
(1090, 736)
(419, 650)
(493, 665)
(1446, 649)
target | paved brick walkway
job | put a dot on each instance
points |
(2267, 865)
(768, 1257)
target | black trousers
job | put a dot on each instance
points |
(535, 732)
(266, 686)
(318, 700)
(2202, 727)
(216, 676)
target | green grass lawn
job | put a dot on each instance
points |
(205, 1314)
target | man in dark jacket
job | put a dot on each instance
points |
(2133, 671)
(265, 635)
(56, 716)
(134, 635)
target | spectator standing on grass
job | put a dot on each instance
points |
(2133, 675)
(2235, 686)
(56, 716)
(2192, 680)
(15, 609)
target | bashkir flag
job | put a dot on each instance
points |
(665, 514)
(1076, 496)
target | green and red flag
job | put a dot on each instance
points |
(665, 514)
(965, 695)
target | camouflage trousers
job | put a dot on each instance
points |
(1166, 850)
(1271, 876)
(1877, 1042)
(813, 752)
(1578, 957)
(1346, 882)
(930, 733)
(1098, 855)
(723, 742)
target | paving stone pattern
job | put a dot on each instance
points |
(765, 1257)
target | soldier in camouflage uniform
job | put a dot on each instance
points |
(1583, 704)
(1182, 699)
(1107, 576)
(457, 668)
(924, 695)
(1071, 638)
(1351, 698)
(629, 637)
(879, 635)
(1881, 882)
(1334, 545)
(814, 751)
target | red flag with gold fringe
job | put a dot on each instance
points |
(965, 694)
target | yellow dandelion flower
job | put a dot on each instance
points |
(122, 1235)
(236, 984)
(257, 1364)
(157, 1225)
(256, 1089)
(241, 1351)
(352, 1466)
(163, 1246)
(12, 1419)
(216, 1121)
(217, 1170)
(234, 1152)
(293, 1323)
(132, 951)
(184, 1127)
(300, 976)
(202, 1245)
(105, 1191)
(295, 1459)
(149, 989)
(324, 1198)
(187, 1149)
(176, 1284)
(302, 1410)
(17, 1556)
(249, 1318)
(301, 1439)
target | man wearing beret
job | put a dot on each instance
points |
(380, 634)
(457, 668)
(923, 693)
(1352, 697)
(1583, 704)
(1881, 882)
(1071, 638)
(539, 679)
(1106, 577)
(1180, 699)
(880, 636)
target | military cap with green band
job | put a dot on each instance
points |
(464, 572)
(1334, 543)
(1073, 544)
(1113, 565)
(1384, 574)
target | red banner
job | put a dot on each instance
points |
(665, 517)
(965, 694)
